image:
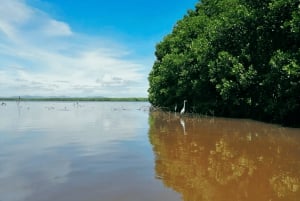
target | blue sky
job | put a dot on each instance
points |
(84, 47)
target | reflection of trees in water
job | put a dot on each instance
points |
(225, 165)
(223, 159)
(283, 184)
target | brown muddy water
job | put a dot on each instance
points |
(109, 151)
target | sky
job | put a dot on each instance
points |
(82, 48)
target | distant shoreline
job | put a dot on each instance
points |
(128, 99)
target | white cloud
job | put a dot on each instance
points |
(40, 55)
(57, 28)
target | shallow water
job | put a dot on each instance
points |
(109, 151)
(220, 159)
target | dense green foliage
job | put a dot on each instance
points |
(238, 58)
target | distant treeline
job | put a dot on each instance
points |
(233, 58)
(74, 99)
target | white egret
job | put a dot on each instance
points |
(183, 109)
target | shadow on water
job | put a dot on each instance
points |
(225, 159)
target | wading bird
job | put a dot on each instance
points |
(183, 109)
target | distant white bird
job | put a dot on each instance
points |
(183, 109)
(175, 108)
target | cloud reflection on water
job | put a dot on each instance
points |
(41, 142)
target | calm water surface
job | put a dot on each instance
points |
(108, 151)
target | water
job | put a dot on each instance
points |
(217, 159)
(107, 151)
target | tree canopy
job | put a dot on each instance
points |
(235, 58)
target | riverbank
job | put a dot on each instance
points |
(129, 99)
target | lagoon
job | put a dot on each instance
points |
(121, 151)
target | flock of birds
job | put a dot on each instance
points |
(77, 105)
(182, 111)
(143, 108)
